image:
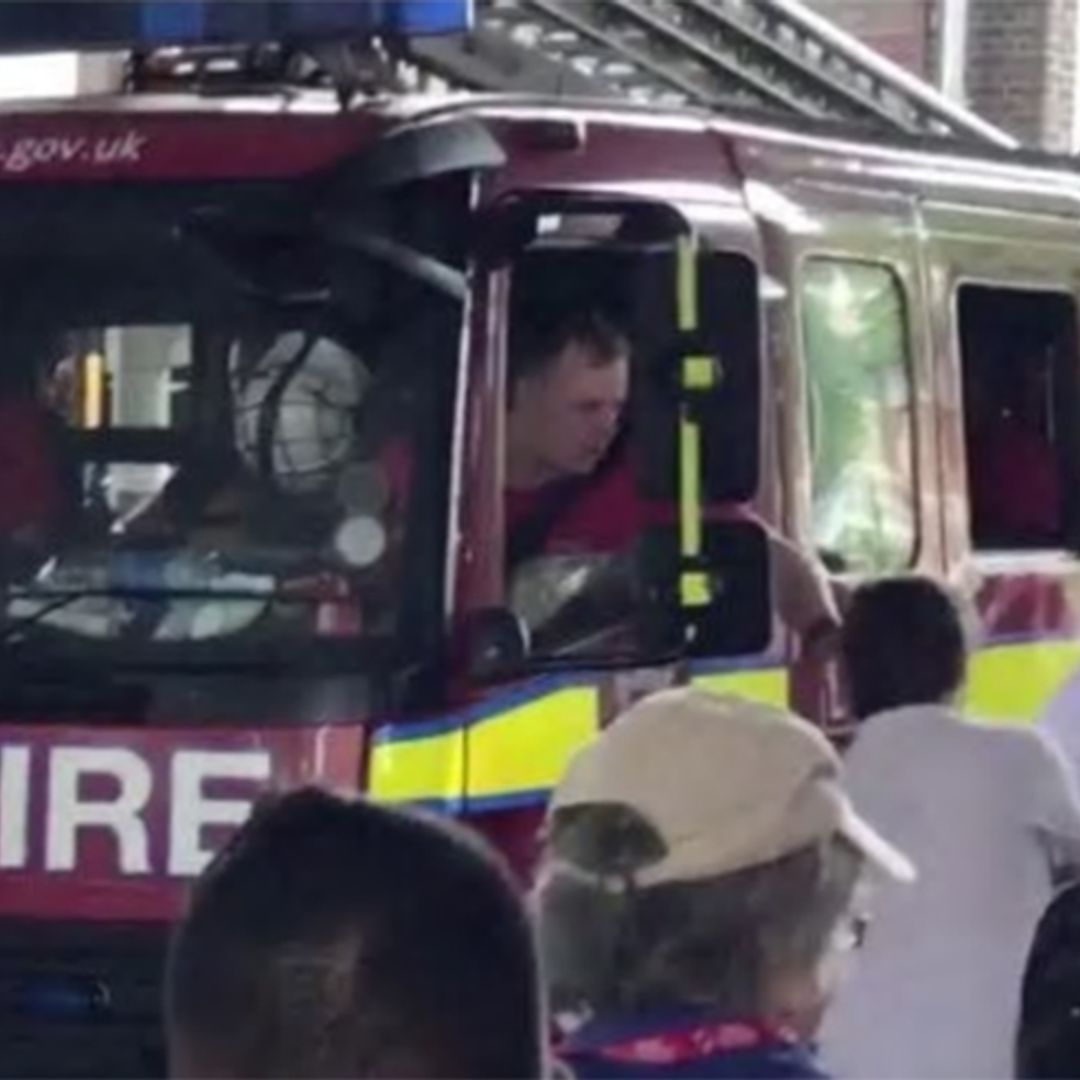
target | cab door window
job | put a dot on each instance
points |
(571, 506)
(593, 464)
(859, 397)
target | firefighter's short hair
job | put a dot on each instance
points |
(335, 937)
(536, 340)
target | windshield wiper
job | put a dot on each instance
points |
(57, 601)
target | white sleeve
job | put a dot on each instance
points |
(802, 594)
(1061, 721)
(1056, 801)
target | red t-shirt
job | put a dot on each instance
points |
(604, 516)
(30, 475)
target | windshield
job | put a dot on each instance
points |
(209, 439)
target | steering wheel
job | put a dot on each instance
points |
(600, 605)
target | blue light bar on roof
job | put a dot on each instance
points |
(59, 24)
(430, 17)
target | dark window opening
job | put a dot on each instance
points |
(570, 534)
(591, 440)
(1019, 371)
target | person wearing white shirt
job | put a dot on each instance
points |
(1060, 721)
(990, 816)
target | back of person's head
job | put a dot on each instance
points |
(338, 938)
(702, 853)
(1048, 1037)
(538, 340)
(904, 643)
(727, 942)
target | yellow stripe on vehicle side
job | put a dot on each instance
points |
(528, 747)
(1012, 684)
(427, 768)
(768, 685)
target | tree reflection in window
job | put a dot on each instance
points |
(859, 399)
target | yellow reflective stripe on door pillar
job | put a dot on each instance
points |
(686, 284)
(690, 532)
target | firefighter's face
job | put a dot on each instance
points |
(568, 414)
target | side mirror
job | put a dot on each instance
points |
(495, 645)
(719, 605)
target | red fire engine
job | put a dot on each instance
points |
(253, 387)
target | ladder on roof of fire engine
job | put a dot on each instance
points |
(757, 55)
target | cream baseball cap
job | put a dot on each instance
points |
(727, 783)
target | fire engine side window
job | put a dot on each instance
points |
(1018, 364)
(860, 402)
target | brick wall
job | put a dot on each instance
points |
(1021, 67)
(1059, 91)
(898, 29)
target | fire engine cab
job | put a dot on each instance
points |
(257, 338)
(253, 392)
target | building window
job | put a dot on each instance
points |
(860, 415)
(1018, 364)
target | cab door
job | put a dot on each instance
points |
(605, 607)
(855, 450)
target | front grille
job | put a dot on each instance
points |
(81, 999)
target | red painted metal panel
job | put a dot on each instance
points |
(39, 146)
(111, 823)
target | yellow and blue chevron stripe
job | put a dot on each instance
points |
(511, 748)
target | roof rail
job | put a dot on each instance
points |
(768, 55)
(747, 57)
